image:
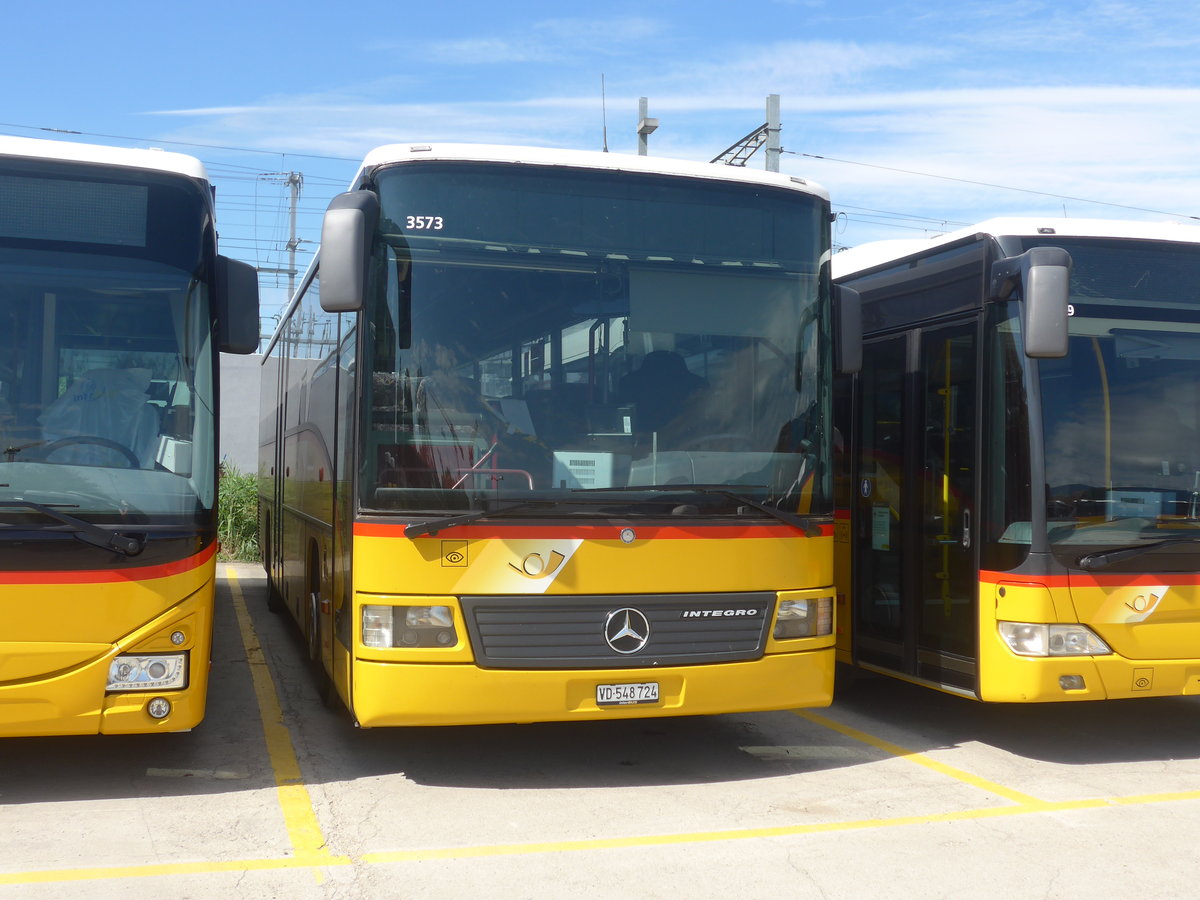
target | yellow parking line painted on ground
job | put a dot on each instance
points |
(576, 846)
(304, 831)
(920, 759)
(700, 837)
(1168, 797)
(212, 867)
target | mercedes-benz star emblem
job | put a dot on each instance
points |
(627, 630)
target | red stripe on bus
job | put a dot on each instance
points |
(109, 576)
(1080, 579)
(590, 532)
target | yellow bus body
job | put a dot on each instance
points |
(655, 452)
(59, 632)
(435, 686)
(1151, 622)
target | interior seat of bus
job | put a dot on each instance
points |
(660, 389)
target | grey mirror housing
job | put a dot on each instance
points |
(847, 330)
(1043, 276)
(236, 306)
(346, 231)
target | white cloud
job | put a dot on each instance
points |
(602, 31)
(489, 51)
(546, 41)
(1130, 146)
(1091, 100)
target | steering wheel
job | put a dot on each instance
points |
(130, 457)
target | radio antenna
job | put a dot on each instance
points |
(603, 113)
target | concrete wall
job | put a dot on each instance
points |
(239, 411)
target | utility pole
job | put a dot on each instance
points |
(774, 147)
(294, 181)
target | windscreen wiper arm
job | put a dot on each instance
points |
(1107, 557)
(433, 526)
(89, 533)
(803, 523)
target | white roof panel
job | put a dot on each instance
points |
(588, 159)
(98, 154)
(877, 253)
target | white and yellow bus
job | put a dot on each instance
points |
(1020, 497)
(113, 305)
(546, 436)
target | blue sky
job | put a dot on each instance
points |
(1089, 109)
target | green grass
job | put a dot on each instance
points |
(237, 516)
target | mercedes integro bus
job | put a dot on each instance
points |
(1020, 496)
(547, 436)
(113, 305)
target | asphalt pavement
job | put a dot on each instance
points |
(894, 791)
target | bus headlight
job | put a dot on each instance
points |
(408, 626)
(803, 618)
(157, 672)
(1032, 639)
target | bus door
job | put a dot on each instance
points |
(915, 575)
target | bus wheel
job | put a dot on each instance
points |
(274, 598)
(324, 684)
(314, 627)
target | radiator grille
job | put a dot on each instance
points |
(538, 632)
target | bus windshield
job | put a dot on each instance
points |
(106, 393)
(538, 333)
(1121, 411)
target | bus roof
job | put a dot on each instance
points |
(587, 159)
(98, 154)
(877, 253)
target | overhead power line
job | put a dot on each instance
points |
(124, 137)
(1002, 187)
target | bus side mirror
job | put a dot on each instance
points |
(236, 306)
(847, 330)
(1044, 274)
(346, 233)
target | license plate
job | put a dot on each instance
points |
(627, 694)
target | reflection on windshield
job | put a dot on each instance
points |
(105, 396)
(504, 367)
(1120, 447)
(1122, 410)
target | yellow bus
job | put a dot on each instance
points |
(1019, 503)
(113, 305)
(546, 437)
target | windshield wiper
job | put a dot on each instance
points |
(433, 526)
(87, 532)
(1107, 557)
(802, 522)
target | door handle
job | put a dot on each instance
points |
(966, 528)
